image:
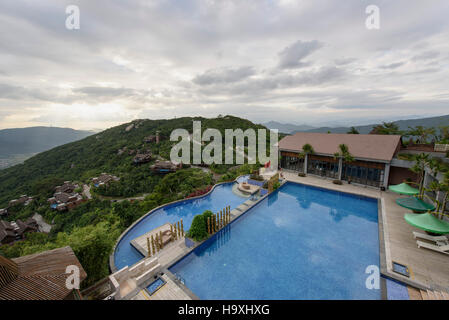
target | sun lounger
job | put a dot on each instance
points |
(441, 249)
(441, 240)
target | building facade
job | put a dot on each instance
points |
(373, 156)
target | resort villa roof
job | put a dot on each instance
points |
(362, 146)
(40, 276)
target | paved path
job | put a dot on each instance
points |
(43, 226)
(86, 191)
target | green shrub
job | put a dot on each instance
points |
(198, 229)
(276, 185)
(256, 177)
(339, 182)
(301, 174)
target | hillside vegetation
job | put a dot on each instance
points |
(92, 228)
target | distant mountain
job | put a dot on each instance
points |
(287, 127)
(403, 125)
(103, 152)
(18, 144)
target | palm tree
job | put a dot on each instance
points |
(386, 128)
(353, 130)
(344, 155)
(444, 186)
(422, 133)
(421, 162)
(306, 150)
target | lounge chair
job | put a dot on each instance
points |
(440, 240)
(442, 249)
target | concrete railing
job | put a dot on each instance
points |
(136, 275)
(441, 147)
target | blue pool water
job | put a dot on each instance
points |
(218, 199)
(396, 290)
(154, 286)
(300, 242)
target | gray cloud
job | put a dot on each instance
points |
(280, 60)
(393, 65)
(224, 75)
(427, 55)
(292, 56)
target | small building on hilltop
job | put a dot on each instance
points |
(24, 199)
(65, 197)
(165, 167)
(103, 179)
(40, 276)
(16, 230)
(7, 234)
(142, 158)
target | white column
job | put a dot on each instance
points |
(340, 168)
(386, 175)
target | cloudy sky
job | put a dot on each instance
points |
(291, 61)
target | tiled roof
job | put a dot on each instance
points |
(363, 146)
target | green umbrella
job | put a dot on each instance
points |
(427, 222)
(415, 204)
(404, 188)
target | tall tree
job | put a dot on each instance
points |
(422, 161)
(353, 130)
(422, 133)
(343, 153)
(306, 150)
(386, 128)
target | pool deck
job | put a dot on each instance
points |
(169, 291)
(428, 269)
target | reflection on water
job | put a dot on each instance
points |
(213, 244)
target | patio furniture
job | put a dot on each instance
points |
(415, 204)
(427, 222)
(404, 188)
(440, 249)
(440, 240)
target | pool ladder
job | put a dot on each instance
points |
(179, 278)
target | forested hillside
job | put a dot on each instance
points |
(92, 228)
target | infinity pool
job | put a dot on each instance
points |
(300, 242)
(219, 198)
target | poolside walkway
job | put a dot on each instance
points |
(428, 269)
(169, 291)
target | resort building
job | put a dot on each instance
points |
(142, 157)
(16, 230)
(24, 199)
(104, 178)
(373, 155)
(40, 276)
(65, 197)
(164, 167)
